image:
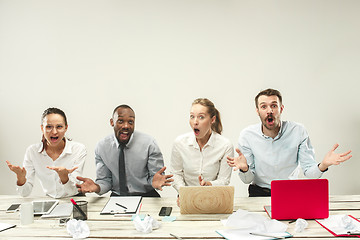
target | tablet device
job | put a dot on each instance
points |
(44, 206)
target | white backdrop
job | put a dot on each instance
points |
(86, 57)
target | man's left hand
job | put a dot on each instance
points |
(160, 179)
(332, 158)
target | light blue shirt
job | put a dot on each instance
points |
(277, 158)
(143, 159)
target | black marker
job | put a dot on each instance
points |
(121, 205)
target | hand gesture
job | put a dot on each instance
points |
(63, 173)
(203, 182)
(20, 173)
(332, 158)
(160, 179)
(87, 186)
(178, 201)
(238, 162)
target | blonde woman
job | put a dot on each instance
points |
(198, 158)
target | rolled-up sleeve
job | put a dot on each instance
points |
(225, 170)
(103, 174)
(248, 176)
(306, 157)
(176, 165)
(155, 161)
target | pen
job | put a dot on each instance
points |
(78, 208)
(267, 235)
(173, 235)
(353, 233)
(121, 205)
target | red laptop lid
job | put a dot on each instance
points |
(304, 198)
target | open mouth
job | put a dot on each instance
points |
(196, 131)
(270, 119)
(124, 135)
(54, 139)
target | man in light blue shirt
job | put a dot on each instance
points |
(142, 164)
(273, 149)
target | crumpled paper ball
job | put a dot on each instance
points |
(147, 225)
(300, 225)
(78, 229)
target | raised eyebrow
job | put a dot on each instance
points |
(120, 116)
(202, 113)
(265, 103)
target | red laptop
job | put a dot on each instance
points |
(303, 198)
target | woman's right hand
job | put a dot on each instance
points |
(20, 173)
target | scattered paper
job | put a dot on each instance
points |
(77, 229)
(147, 225)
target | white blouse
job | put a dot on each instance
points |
(35, 163)
(188, 162)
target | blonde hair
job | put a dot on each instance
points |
(216, 126)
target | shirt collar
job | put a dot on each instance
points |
(280, 133)
(211, 142)
(67, 148)
(117, 144)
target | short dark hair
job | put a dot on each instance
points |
(123, 106)
(268, 92)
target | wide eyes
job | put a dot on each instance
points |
(201, 117)
(120, 121)
(272, 106)
(59, 128)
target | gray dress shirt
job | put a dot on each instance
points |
(143, 159)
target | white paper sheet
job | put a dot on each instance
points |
(244, 234)
(132, 204)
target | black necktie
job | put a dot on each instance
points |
(122, 173)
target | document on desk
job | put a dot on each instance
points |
(61, 210)
(5, 226)
(122, 205)
(244, 234)
(341, 225)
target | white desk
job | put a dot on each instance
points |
(185, 226)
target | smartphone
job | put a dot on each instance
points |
(165, 211)
(13, 208)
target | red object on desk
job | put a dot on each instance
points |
(301, 198)
(339, 235)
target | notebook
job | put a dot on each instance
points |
(206, 199)
(304, 198)
(122, 205)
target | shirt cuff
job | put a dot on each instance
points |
(324, 170)
(244, 171)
